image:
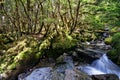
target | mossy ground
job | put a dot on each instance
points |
(27, 51)
(21, 53)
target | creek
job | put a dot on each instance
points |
(68, 70)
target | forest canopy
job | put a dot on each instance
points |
(47, 16)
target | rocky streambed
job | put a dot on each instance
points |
(75, 65)
(64, 70)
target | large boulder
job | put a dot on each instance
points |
(89, 55)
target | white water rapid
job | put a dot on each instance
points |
(101, 66)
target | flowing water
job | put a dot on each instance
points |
(101, 66)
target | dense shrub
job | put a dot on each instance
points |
(60, 44)
(115, 52)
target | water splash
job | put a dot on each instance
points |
(101, 66)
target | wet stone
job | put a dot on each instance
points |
(39, 74)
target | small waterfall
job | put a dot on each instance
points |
(101, 66)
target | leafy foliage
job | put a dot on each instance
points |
(43, 17)
(114, 53)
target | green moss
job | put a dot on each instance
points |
(45, 44)
(20, 45)
(86, 36)
(64, 42)
(27, 51)
(114, 53)
(59, 44)
(116, 41)
(20, 54)
(23, 53)
(108, 40)
(4, 38)
(115, 29)
(13, 66)
(38, 55)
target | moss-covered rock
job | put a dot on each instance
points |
(60, 44)
(108, 40)
(22, 53)
(64, 42)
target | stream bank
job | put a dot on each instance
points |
(69, 67)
